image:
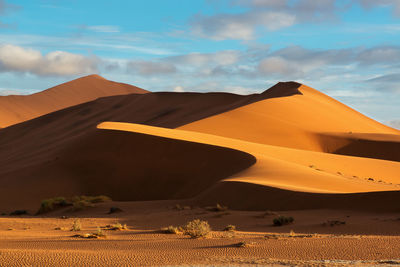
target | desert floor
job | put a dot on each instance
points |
(365, 238)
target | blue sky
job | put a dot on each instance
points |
(349, 49)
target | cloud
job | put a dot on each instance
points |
(239, 26)
(270, 15)
(395, 4)
(101, 28)
(178, 89)
(394, 124)
(4, 92)
(387, 82)
(148, 68)
(58, 63)
(225, 57)
(4, 8)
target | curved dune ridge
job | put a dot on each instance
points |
(291, 169)
(18, 108)
(309, 120)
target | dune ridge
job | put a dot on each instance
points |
(310, 120)
(18, 108)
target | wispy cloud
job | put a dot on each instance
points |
(270, 15)
(101, 28)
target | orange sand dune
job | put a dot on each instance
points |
(310, 120)
(291, 169)
(62, 153)
(18, 108)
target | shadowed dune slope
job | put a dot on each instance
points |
(18, 108)
(309, 120)
(311, 173)
(125, 166)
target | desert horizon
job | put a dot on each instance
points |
(199, 133)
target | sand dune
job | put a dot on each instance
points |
(309, 120)
(18, 108)
(273, 141)
(290, 169)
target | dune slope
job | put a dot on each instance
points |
(18, 108)
(309, 120)
(312, 173)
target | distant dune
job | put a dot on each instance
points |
(279, 145)
(18, 108)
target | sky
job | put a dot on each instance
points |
(348, 49)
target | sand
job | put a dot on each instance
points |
(364, 237)
(290, 149)
(18, 108)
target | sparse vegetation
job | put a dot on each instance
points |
(116, 227)
(83, 202)
(78, 203)
(197, 228)
(217, 208)
(170, 230)
(230, 228)
(51, 204)
(98, 234)
(18, 212)
(282, 220)
(76, 226)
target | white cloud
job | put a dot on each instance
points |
(19, 59)
(178, 89)
(239, 26)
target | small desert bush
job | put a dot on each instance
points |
(98, 234)
(170, 230)
(197, 228)
(230, 228)
(76, 226)
(117, 227)
(282, 220)
(83, 202)
(50, 204)
(78, 203)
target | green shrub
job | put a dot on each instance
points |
(197, 228)
(282, 220)
(51, 204)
